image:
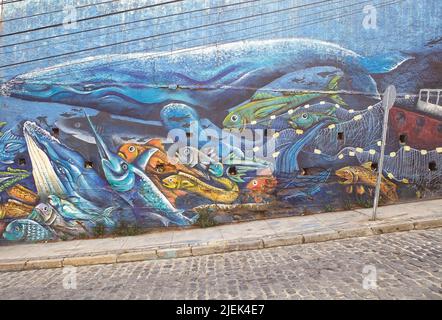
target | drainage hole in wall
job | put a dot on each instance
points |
(403, 138)
(55, 132)
(88, 164)
(340, 135)
(232, 171)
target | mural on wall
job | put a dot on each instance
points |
(158, 139)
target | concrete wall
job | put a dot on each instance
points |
(127, 115)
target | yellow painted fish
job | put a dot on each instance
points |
(187, 182)
(264, 105)
(364, 175)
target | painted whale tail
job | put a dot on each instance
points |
(383, 63)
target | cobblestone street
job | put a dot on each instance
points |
(402, 265)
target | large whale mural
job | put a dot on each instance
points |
(163, 139)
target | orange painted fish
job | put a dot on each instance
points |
(263, 184)
(153, 159)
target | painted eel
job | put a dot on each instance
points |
(192, 184)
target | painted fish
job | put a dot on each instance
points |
(180, 118)
(192, 184)
(153, 159)
(304, 120)
(108, 125)
(263, 105)
(14, 209)
(157, 163)
(23, 194)
(130, 181)
(48, 215)
(365, 176)
(94, 81)
(70, 211)
(26, 230)
(11, 176)
(264, 184)
(10, 146)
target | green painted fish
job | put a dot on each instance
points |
(303, 119)
(264, 105)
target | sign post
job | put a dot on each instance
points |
(387, 102)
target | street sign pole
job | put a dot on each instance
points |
(387, 102)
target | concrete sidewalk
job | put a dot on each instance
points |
(225, 238)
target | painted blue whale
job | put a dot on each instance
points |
(207, 77)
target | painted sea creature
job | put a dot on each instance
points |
(10, 145)
(26, 230)
(71, 212)
(152, 158)
(304, 120)
(192, 184)
(222, 68)
(11, 177)
(47, 215)
(364, 176)
(264, 184)
(264, 105)
(23, 194)
(109, 125)
(405, 165)
(181, 118)
(262, 188)
(155, 162)
(136, 186)
(14, 209)
(232, 166)
(60, 171)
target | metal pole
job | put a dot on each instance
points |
(387, 102)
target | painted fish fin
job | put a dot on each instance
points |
(267, 111)
(333, 86)
(157, 143)
(367, 165)
(186, 184)
(336, 98)
(383, 63)
(261, 95)
(194, 219)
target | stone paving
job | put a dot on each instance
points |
(390, 266)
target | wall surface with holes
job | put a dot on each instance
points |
(122, 116)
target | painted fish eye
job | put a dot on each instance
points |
(17, 228)
(304, 116)
(186, 151)
(170, 179)
(234, 118)
(45, 208)
(131, 149)
(255, 183)
(124, 166)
